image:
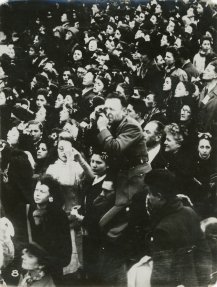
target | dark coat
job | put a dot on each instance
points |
(53, 234)
(180, 253)
(159, 161)
(125, 144)
(207, 117)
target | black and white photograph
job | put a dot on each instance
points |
(108, 143)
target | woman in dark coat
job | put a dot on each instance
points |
(48, 224)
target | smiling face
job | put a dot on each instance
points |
(98, 165)
(171, 144)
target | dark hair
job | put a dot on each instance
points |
(116, 95)
(206, 38)
(159, 127)
(138, 106)
(162, 181)
(54, 188)
(43, 92)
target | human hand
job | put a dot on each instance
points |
(102, 122)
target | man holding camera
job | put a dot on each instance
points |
(121, 137)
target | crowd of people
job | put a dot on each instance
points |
(108, 143)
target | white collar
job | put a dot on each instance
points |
(98, 179)
(153, 152)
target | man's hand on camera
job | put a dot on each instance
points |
(102, 122)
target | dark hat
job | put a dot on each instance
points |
(162, 181)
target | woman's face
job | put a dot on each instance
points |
(41, 101)
(29, 261)
(117, 34)
(68, 100)
(163, 41)
(64, 115)
(180, 90)
(59, 101)
(153, 19)
(77, 55)
(139, 34)
(167, 84)
(170, 144)
(185, 113)
(98, 165)
(98, 86)
(63, 148)
(109, 30)
(92, 46)
(41, 194)
(199, 9)
(42, 151)
(204, 148)
(13, 136)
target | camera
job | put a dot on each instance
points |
(99, 112)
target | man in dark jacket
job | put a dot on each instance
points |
(122, 138)
(180, 253)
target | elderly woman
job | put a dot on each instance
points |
(179, 160)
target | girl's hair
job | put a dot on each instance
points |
(54, 188)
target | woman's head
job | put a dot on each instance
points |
(99, 163)
(100, 84)
(186, 113)
(35, 258)
(204, 146)
(42, 151)
(64, 147)
(77, 54)
(72, 128)
(174, 138)
(41, 99)
(47, 190)
(65, 114)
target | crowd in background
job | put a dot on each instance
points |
(97, 94)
